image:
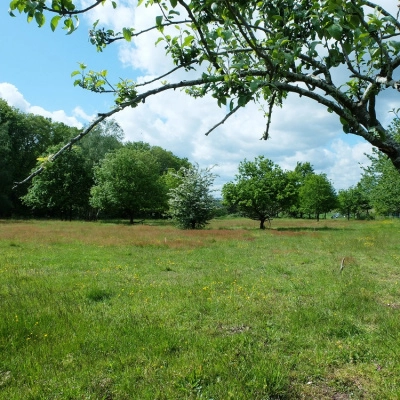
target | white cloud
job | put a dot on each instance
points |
(14, 98)
(80, 113)
(116, 19)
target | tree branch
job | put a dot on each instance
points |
(202, 37)
(383, 12)
(222, 121)
(67, 146)
(109, 41)
(63, 11)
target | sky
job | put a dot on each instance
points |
(35, 77)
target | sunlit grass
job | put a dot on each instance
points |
(111, 311)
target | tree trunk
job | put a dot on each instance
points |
(262, 226)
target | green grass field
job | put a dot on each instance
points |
(112, 311)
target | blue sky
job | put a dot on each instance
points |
(35, 76)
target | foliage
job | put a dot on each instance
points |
(105, 137)
(353, 201)
(317, 195)
(191, 204)
(381, 180)
(166, 159)
(128, 180)
(342, 54)
(23, 138)
(64, 186)
(297, 178)
(261, 190)
(5, 170)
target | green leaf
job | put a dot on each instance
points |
(347, 46)
(335, 31)
(73, 73)
(159, 19)
(173, 3)
(188, 41)
(114, 5)
(54, 22)
(346, 128)
(127, 34)
(242, 101)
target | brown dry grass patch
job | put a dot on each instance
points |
(51, 232)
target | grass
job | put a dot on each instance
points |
(111, 311)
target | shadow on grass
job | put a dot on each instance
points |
(305, 228)
(148, 222)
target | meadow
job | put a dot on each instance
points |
(303, 310)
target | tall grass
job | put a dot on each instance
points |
(111, 311)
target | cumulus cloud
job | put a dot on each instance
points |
(14, 98)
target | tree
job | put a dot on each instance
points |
(382, 181)
(191, 204)
(297, 178)
(105, 137)
(24, 138)
(317, 195)
(342, 54)
(353, 201)
(64, 186)
(128, 180)
(261, 190)
(166, 159)
(5, 171)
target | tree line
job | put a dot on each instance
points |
(103, 175)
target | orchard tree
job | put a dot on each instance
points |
(191, 204)
(165, 158)
(297, 178)
(317, 195)
(353, 201)
(342, 54)
(383, 181)
(64, 186)
(261, 190)
(128, 180)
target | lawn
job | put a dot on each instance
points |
(304, 310)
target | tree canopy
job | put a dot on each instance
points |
(63, 187)
(317, 195)
(23, 138)
(381, 182)
(342, 54)
(261, 190)
(191, 204)
(128, 180)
